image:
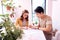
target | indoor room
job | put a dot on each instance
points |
(29, 20)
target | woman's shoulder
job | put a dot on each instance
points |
(18, 18)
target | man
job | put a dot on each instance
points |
(45, 22)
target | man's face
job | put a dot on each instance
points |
(39, 15)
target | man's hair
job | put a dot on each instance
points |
(39, 9)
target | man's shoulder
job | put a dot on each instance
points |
(48, 17)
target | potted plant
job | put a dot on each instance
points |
(11, 32)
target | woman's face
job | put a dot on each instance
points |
(25, 15)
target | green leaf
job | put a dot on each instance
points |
(11, 35)
(2, 34)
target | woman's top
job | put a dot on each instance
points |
(21, 23)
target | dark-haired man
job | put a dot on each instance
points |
(45, 22)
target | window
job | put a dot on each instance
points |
(36, 3)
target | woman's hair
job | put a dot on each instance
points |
(25, 11)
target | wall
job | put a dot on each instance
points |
(0, 8)
(49, 7)
(53, 10)
(56, 14)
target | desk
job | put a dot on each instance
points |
(33, 34)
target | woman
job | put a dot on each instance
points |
(23, 20)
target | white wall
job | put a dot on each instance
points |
(49, 7)
(0, 8)
(56, 14)
(53, 10)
